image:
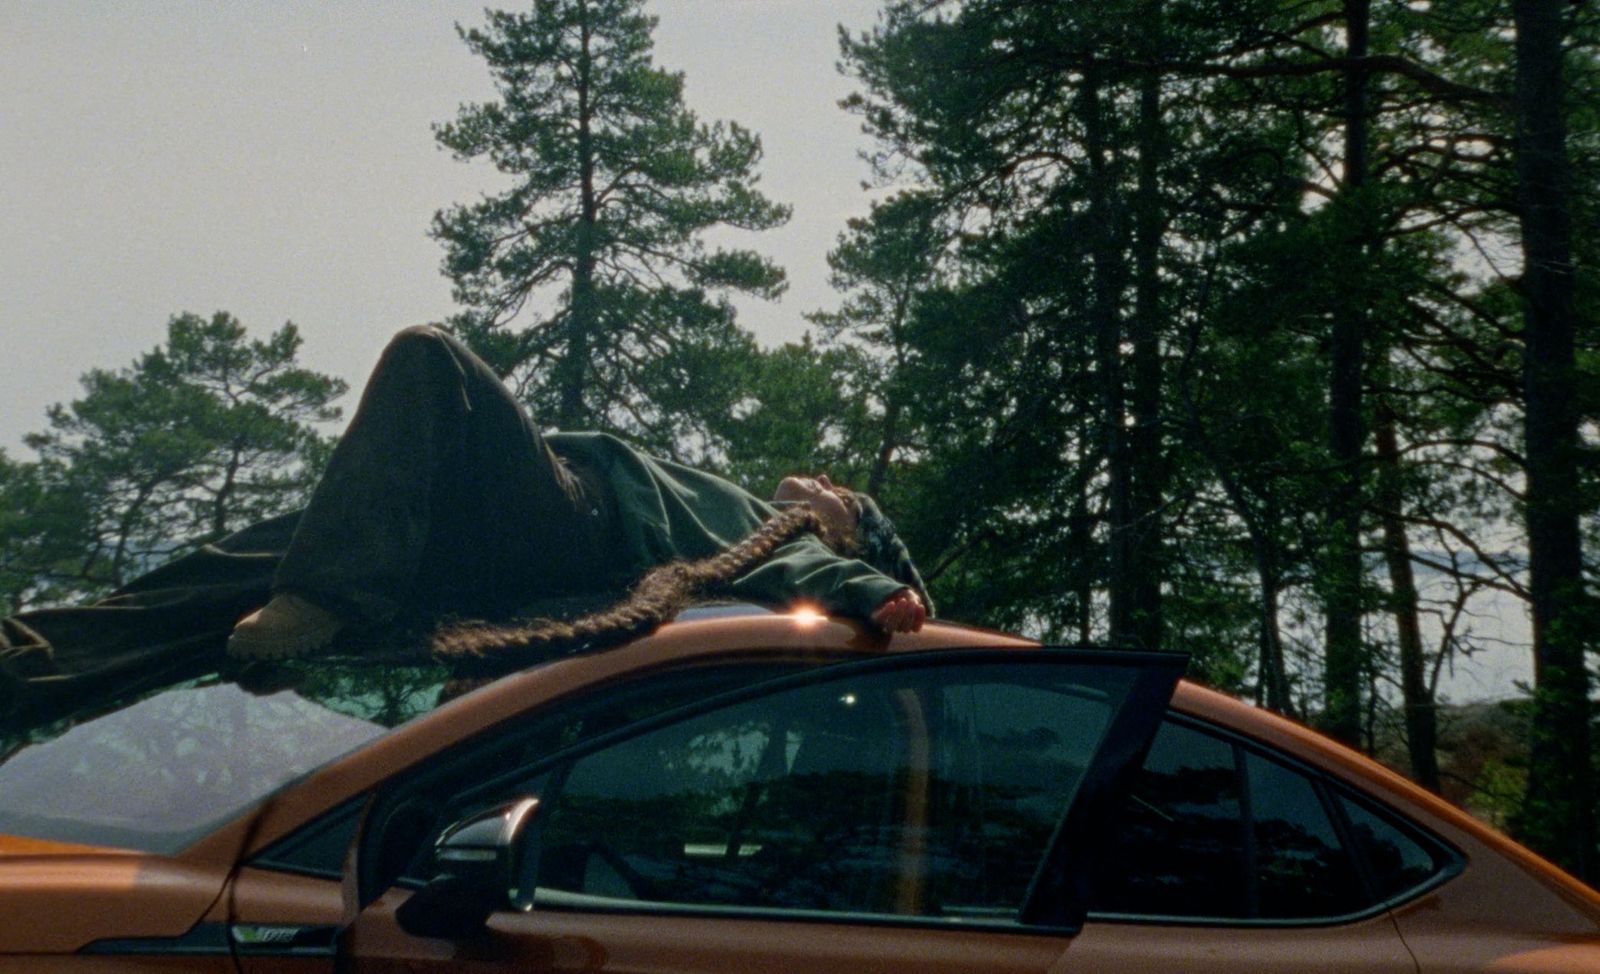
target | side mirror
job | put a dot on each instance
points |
(482, 864)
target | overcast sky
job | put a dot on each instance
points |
(275, 160)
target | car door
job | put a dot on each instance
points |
(929, 811)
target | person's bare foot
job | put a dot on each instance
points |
(288, 626)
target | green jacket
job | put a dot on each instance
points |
(666, 511)
(182, 611)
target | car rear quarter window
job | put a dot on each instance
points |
(1179, 844)
(1301, 869)
(1398, 859)
(1216, 829)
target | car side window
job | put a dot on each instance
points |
(1007, 757)
(406, 816)
(319, 848)
(1178, 847)
(929, 792)
(1398, 860)
(1215, 830)
(1301, 869)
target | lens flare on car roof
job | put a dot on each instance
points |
(807, 616)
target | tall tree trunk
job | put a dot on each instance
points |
(1344, 660)
(1147, 461)
(1109, 275)
(886, 446)
(225, 492)
(893, 404)
(1272, 681)
(1422, 732)
(583, 314)
(1080, 537)
(1559, 814)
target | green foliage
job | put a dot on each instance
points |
(798, 416)
(1175, 175)
(42, 536)
(198, 437)
(884, 265)
(589, 281)
(1017, 125)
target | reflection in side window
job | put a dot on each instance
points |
(1398, 862)
(928, 792)
(1010, 757)
(1178, 848)
(1211, 830)
(1301, 869)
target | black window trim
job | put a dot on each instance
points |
(1326, 787)
(279, 856)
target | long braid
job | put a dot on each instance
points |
(661, 594)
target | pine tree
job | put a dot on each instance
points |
(1560, 812)
(199, 437)
(882, 264)
(589, 282)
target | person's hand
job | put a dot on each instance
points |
(901, 612)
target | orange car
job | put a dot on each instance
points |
(746, 791)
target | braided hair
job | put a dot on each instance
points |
(483, 648)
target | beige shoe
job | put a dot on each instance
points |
(285, 627)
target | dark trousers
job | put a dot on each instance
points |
(443, 497)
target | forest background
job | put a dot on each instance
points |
(1260, 329)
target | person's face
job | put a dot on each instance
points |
(819, 492)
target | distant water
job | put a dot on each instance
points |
(1493, 635)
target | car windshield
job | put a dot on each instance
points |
(155, 770)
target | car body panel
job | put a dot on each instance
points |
(1368, 946)
(283, 902)
(22, 845)
(61, 903)
(1491, 918)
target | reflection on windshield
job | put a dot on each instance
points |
(158, 773)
